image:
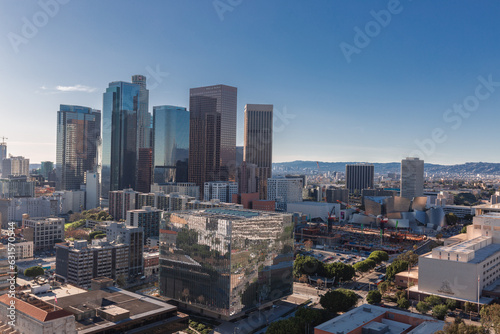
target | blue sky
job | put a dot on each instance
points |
(379, 104)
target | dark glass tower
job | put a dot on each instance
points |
(119, 137)
(204, 141)
(258, 142)
(170, 144)
(226, 97)
(78, 133)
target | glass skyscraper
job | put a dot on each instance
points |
(225, 262)
(119, 136)
(227, 107)
(143, 115)
(170, 144)
(78, 134)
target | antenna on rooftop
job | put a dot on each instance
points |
(3, 140)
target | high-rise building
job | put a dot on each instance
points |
(183, 188)
(226, 106)
(337, 194)
(15, 166)
(16, 186)
(143, 115)
(47, 167)
(258, 142)
(92, 190)
(170, 144)
(121, 201)
(283, 191)
(119, 136)
(412, 178)
(148, 218)
(204, 141)
(248, 180)
(221, 190)
(78, 135)
(3, 153)
(206, 260)
(144, 170)
(359, 177)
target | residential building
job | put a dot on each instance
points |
(148, 218)
(204, 141)
(359, 177)
(221, 190)
(23, 249)
(78, 136)
(77, 262)
(15, 166)
(144, 170)
(119, 136)
(377, 319)
(16, 186)
(412, 178)
(206, 261)
(170, 144)
(43, 232)
(131, 236)
(226, 107)
(258, 142)
(121, 201)
(283, 191)
(182, 188)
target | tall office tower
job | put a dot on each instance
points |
(247, 178)
(204, 141)
(226, 106)
(144, 170)
(78, 134)
(170, 144)
(412, 178)
(119, 136)
(48, 166)
(359, 177)
(143, 115)
(15, 166)
(258, 142)
(92, 190)
(3, 152)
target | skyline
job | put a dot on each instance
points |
(341, 106)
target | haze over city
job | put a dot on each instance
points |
(343, 88)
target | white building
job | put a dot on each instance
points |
(45, 206)
(182, 188)
(43, 232)
(466, 268)
(412, 178)
(92, 190)
(284, 190)
(220, 190)
(71, 200)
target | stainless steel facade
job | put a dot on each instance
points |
(225, 262)
(359, 177)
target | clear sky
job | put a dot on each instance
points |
(345, 86)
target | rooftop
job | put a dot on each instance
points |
(36, 308)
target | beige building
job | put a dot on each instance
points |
(43, 232)
(466, 268)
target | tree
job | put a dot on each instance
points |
(464, 229)
(423, 307)
(433, 300)
(451, 303)
(340, 300)
(439, 236)
(94, 234)
(459, 327)
(307, 265)
(468, 306)
(286, 326)
(439, 311)
(339, 270)
(374, 297)
(379, 256)
(34, 271)
(403, 303)
(451, 218)
(303, 278)
(310, 317)
(409, 257)
(490, 317)
(384, 286)
(396, 266)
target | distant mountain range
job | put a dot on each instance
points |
(469, 168)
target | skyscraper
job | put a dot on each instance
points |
(170, 144)
(78, 134)
(204, 141)
(143, 115)
(119, 136)
(359, 177)
(412, 178)
(3, 150)
(258, 142)
(144, 170)
(226, 97)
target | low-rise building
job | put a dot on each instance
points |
(43, 232)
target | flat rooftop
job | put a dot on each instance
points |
(230, 213)
(363, 316)
(464, 247)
